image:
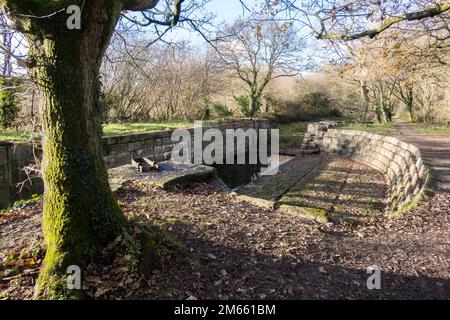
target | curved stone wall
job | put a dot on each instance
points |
(400, 161)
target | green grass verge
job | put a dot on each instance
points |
(433, 129)
(108, 129)
(22, 203)
(378, 128)
(16, 135)
(125, 128)
(291, 134)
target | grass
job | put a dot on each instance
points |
(389, 129)
(124, 128)
(22, 203)
(15, 135)
(108, 129)
(378, 128)
(433, 129)
(291, 134)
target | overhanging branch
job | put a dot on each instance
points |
(139, 5)
(171, 20)
(410, 16)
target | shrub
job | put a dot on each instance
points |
(204, 112)
(221, 110)
(9, 102)
(306, 108)
(213, 110)
(243, 103)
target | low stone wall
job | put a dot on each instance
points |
(157, 146)
(4, 178)
(400, 161)
(117, 151)
(14, 157)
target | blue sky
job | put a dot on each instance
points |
(224, 10)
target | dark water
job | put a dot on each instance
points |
(235, 175)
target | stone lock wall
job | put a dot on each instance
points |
(4, 178)
(314, 136)
(117, 151)
(400, 161)
(13, 158)
(158, 146)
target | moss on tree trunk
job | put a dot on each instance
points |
(80, 212)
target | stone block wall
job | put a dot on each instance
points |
(13, 158)
(117, 150)
(4, 178)
(400, 161)
(158, 146)
(314, 136)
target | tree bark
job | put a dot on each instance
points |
(366, 100)
(80, 212)
(251, 105)
(409, 100)
(254, 100)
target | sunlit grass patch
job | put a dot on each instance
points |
(17, 135)
(291, 134)
(124, 128)
(433, 129)
(109, 129)
(377, 128)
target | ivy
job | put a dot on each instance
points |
(9, 102)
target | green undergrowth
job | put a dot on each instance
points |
(17, 135)
(22, 203)
(112, 129)
(291, 134)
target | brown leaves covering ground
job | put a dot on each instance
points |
(247, 252)
(21, 252)
(213, 246)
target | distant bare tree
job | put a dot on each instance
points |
(161, 82)
(259, 52)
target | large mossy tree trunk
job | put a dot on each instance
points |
(80, 212)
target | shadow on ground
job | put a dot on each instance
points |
(232, 273)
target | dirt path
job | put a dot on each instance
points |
(435, 150)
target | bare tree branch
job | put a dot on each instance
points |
(409, 16)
